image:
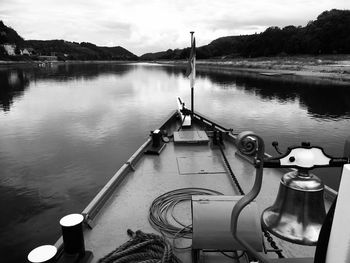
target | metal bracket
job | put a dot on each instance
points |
(88, 221)
(131, 166)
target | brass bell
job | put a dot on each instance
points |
(298, 212)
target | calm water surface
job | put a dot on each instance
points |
(66, 129)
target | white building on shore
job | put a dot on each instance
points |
(10, 49)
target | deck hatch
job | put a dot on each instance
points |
(191, 137)
(200, 165)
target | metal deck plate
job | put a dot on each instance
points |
(191, 137)
(200, 165)
(211, 217)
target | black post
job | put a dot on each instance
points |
(72, 232)
(192, 102)
(156, 138)
(192, 78)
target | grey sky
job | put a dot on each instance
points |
(143, 26)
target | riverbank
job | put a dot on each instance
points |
(54, 63)
(13, 62)
(332, 69)
(328, 69)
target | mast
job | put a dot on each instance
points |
(193, 71)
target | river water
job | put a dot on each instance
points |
(65, 130)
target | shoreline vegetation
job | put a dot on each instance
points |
(326, 69)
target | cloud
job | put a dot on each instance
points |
(155, 25)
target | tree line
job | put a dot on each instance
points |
(328, 34)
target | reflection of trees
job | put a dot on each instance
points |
(331, 102)
(321, 101)
(170, 70)
(13, 84)
(85, 71)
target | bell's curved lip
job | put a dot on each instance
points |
(265, 218)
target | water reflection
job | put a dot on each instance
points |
(12, 83)
(321, 101)
(21, 207)
(84, 71)
(325, 101)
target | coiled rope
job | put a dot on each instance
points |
(142, 248)
(161, 211)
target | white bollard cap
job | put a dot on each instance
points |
(42, 254)
(71, 220)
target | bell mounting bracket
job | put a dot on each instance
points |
(305, 157)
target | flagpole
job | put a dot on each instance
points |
(193, 75)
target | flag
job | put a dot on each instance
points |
(192, 59)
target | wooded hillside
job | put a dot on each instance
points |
(328, 34)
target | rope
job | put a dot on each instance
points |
(162, 208)
(142, 248)
(267, 235)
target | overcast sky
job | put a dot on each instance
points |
(143, 26)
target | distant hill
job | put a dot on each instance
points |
(79, 51)
(63, 50)
(9, 35)
(223, 46)
(328, 34)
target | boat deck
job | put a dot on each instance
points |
(178, 166)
